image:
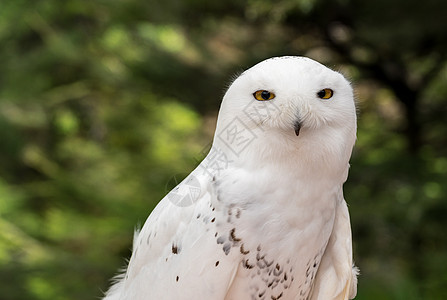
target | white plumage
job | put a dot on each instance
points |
(263, 215)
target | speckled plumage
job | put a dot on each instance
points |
(263, 215)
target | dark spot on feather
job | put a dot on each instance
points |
(174, 249)
(217, 263)
(243, 251)
(176, 279)
(215, 235)
(226, 248)
(233, 236)
(238, 213)
(214, 219)
(247, 265)
(277, 297)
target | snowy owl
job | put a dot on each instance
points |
(263, 215)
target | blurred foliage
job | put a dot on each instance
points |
(103, 102)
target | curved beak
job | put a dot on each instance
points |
(297, 127)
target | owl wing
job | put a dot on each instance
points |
(337, 276)
(175, 255)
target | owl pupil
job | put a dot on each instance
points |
(265, 95)
(321, 93)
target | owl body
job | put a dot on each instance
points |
(263, 215)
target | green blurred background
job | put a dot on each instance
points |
(103, 102)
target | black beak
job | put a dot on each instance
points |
(297, 127)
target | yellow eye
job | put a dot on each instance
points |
(325, 94)
(263, 95)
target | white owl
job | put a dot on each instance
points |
(263, 215)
